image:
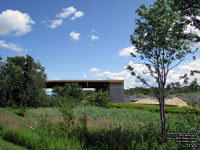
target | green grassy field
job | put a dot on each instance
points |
(95, 128)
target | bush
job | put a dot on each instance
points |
(66, 107)
(99, 99)
(20, 111)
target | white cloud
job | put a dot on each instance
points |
(55, 23)
(191, 29)
(187, 67)
(99, 75)
(16, 22)
(105, 73)
(11, 46)
(93, 30)
(66, 12)
(94, 70)
(77, 14)
(193, 65)
(75, 35)
(56, 79)
(94, 37)
(129, 80)
(127, 51)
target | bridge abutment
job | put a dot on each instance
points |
(116, 92)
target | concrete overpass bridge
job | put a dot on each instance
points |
(115, 88)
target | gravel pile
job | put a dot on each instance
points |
(174, 101)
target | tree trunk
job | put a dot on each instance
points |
(162, 112)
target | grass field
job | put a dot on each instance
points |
(94, 128)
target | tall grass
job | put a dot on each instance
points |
(142, 127)
(95, 128)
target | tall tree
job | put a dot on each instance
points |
(22, 81)
(159, 42)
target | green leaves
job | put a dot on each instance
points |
(99, 99)
(190, 8)
(194, 57)
(21, 82)
(185, 79)
(69, 91)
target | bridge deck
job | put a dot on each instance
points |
(83, 83)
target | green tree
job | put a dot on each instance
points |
(22, 82)
(100, 99)
(69, 91)
(189, 8)
(160, 45)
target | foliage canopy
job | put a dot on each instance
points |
(22, 80)
(188, 8)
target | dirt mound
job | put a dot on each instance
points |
(147, 101)
(174, 101)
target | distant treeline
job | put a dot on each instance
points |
(140, 91)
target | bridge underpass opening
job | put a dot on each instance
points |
(115, 88)
(88, 89)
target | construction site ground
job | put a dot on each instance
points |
(171, 102)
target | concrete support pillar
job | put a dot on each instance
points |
(116, 92)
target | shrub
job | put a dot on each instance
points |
(99, 99)
(20, 111)
(66, 107)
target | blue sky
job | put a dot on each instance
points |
(74, 39)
